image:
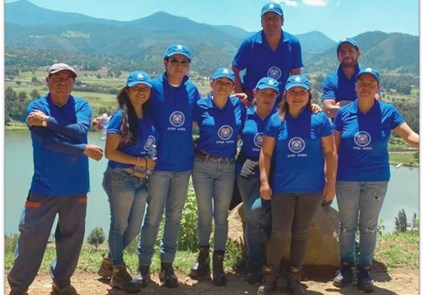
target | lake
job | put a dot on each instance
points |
(403, 191)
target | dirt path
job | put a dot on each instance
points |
(401, 281)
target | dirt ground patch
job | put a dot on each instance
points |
(401, 281)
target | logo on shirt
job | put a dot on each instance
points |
(149, 142)
(362, 138)
(274, 72)
(296, 145)
(177, 119)
(259, 137)
(225, 132)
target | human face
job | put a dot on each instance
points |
(348, 55)
(177, 66)
(138, 94)
(222, 87)
(265, 99)
(60, 86)
(297, 97)
(366, 86)
(271, 23)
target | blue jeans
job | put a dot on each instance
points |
(213, 183)
(127, 201)
(359, 206)
(166, 192)
(257, 216)
(35, 226)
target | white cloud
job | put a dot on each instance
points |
(315, 2)
(290, 3)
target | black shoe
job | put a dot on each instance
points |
(68, 290)
(364, 279)
(269, 282)
(143, 276)
(167, 276)
(218, 277)
(201, 268)
(254, 273)
(344, 275)
(17, 293)
(294, 275)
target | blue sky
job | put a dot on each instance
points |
(335, 18)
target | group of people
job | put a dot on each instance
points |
(293, 158)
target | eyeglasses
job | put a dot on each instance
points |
(175, 62)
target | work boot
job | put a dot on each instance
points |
(344, 275)
(294, 274)
(364, 279)
(269, 281)
(68, 290)
(121, 279)
(254, 273)
(143, 275)
(201, 268)
(167, 276)
(105, 269)
(218, 277)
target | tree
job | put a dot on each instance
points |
(96, 237)
(401, 222)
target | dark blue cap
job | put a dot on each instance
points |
(369, 71)
(350, 41)
(178, 49)
(224, 73)
(268, 83)
(298, 81)
(272, 7)
(138, 77)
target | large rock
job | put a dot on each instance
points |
(323, 242)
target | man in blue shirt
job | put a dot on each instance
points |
(267, 53)
(59, 124)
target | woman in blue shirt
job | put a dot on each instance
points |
(219, 117)
(302, 144)
(362, 132)
(130, 135)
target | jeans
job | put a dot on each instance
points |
(166, 192)
(127, 201)
(359, 205)
(292, 214)
(257, 216)
(213, 183)
(35, 227)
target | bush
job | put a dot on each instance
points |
(96, 237)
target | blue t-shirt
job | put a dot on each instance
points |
(60, 167)
(147, 136)
(337, 86)
(299, 159)
(219, 128)
(259, 60)
(363, 154)
(252, 135)
(172, 112)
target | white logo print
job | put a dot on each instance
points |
(296, 145)
(177, 119)
(274, 72)
(362, 138)
(225, 132)
(149, 142)
(258, 139)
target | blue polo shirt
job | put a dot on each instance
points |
(259, 60)
(363, 153)
(172, 112)
(219, 128)
(337, 86)
(60, 167)
(299, 159)
(147, 136)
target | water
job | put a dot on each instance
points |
(403, 192)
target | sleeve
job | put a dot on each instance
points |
(297, 55)
(328, 89)
(327, 127)
(271, 129)
(115, 122)
(57, 142)
(242, 56)
(397, 117)
(337, 121)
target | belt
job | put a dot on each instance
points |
(205, 156)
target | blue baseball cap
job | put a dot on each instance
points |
(138, 77)
(298, 81)
(369, 71)
(272, 7)
(224, 73)
(268, 83)
(350, 41)
(178, 49)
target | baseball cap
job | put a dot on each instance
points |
(138, 77)
(370, 71)
(297, 81)
(178, 49)
(350, 41)
(272, 7)
(268, 83)
(224, 73)
(58, 67)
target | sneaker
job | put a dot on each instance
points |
(344, 275)
(167, 276)
(269, 281)
(143, 276)
(68, 290)
(294, 276)
(364, 279)
(105, 269)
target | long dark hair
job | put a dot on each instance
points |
(284, 106)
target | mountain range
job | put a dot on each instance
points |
(35, 37)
